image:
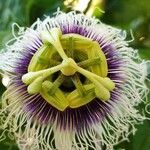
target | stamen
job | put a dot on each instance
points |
(98, 82)
(91, 76)
(35, 86)
(52, 36)
(30, 76)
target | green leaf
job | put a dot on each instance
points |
(147, 81)
(148, 69)
(144, 53)
(141, 141)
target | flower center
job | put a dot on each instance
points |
(71, 62)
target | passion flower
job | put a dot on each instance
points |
(74, 84)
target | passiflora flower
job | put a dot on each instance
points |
(74, 85)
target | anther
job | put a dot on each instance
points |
(35, 86)
(31, 76)
(53, 37)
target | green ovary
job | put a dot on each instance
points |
(68, 71)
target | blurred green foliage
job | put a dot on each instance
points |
(131, 14)
(125, 14)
